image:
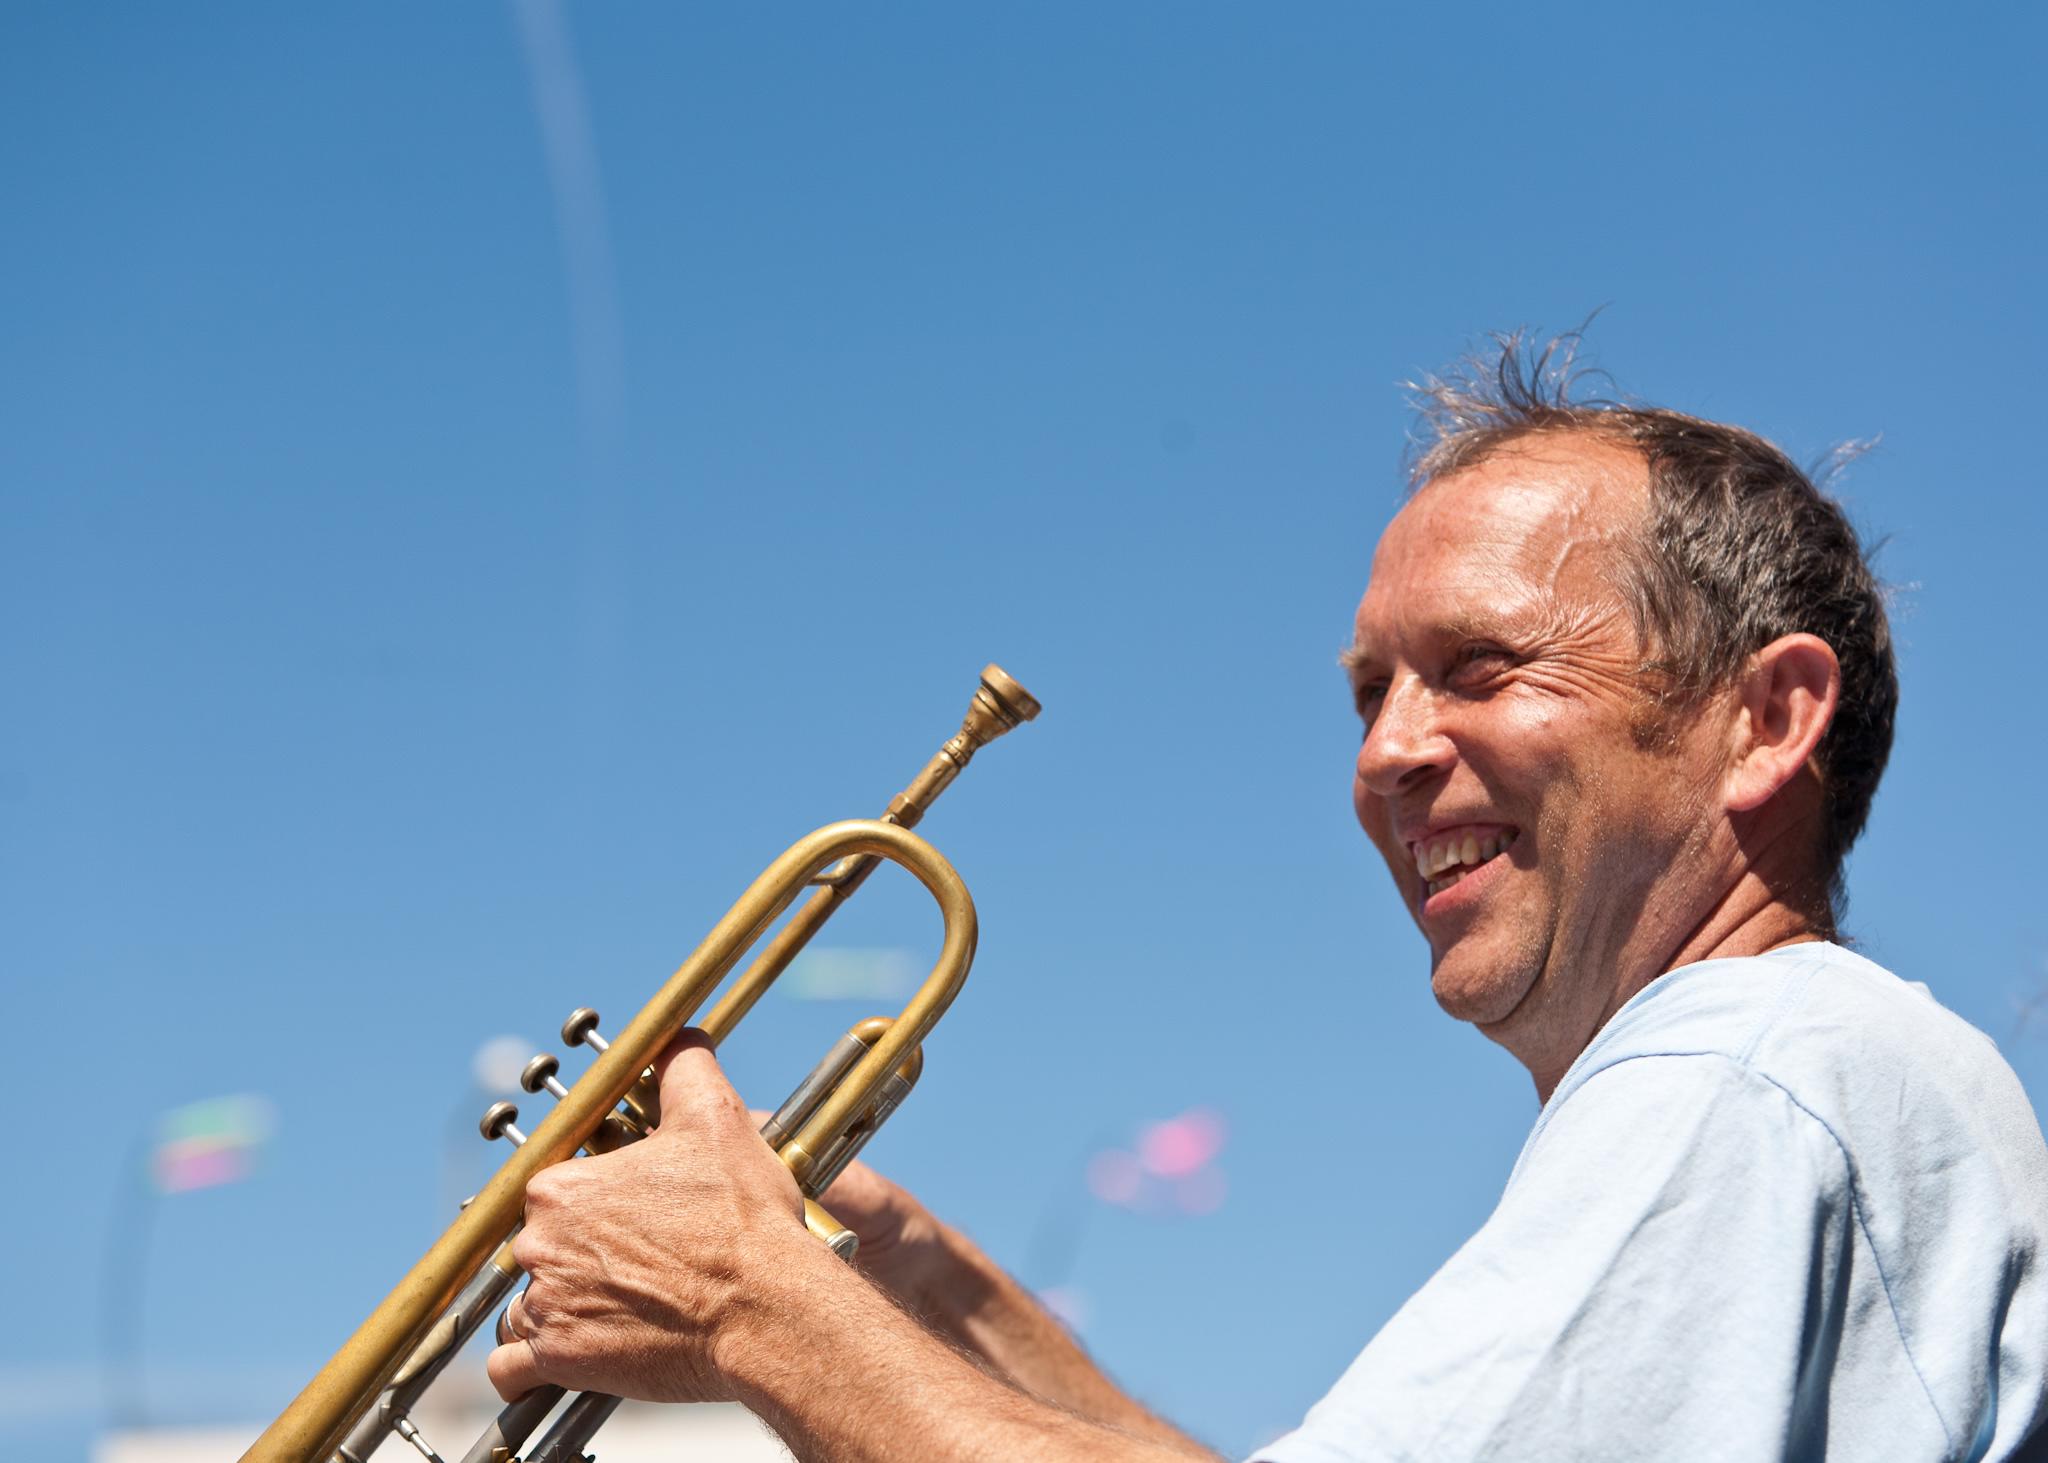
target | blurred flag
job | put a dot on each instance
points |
(212, 1142)
(1181, 1146)
(1171, 1166)
(847, 974)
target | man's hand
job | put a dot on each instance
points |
(678, 1269)
(900, 1241)
(640, 1260)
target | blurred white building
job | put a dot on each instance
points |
(637, 1433)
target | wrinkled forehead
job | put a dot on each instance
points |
(1537, 527)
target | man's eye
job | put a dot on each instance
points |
(1368, 698)
(1476, 662)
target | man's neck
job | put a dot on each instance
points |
(1750, 921)
(1751, 917)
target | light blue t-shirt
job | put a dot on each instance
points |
(1781, 1208)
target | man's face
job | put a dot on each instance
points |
(1509, 773)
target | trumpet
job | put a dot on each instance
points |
(365, 1393)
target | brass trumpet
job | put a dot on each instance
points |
(366, 1392)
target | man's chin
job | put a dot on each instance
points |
(1476, 990)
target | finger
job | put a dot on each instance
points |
(512, 1327)
(514, 1370)
(693, 1088)
(858, 1188)
(879, 1210)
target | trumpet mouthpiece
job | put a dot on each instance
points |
(1000, 705)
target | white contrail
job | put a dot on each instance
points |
(598, 350)
(564, 115)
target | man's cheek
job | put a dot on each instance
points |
(1372, 816)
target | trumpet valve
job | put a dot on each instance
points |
(501, 1120)
(539, 1076)
(581, 1030)
(642, 1101)
(615, 1132)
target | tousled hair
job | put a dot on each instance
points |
(1739, 547)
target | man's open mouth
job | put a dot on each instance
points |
(1442, 859)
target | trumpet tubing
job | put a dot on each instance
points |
(365, 1392)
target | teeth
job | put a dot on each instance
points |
(1441, 862)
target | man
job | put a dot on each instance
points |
(1627, 690)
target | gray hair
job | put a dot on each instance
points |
(1739, 548)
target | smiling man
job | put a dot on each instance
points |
(1567, 817)
(1627, 690)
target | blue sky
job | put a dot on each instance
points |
(477, 482)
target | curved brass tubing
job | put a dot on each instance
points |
(316, 1421)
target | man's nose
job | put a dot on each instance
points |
(1406, 742)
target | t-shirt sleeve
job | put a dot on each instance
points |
(1655, 1281)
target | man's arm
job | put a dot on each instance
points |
(678, 1269)
(965, 1298)
(840, 1373)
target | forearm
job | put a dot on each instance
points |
(842, 1374)
(970, 1301)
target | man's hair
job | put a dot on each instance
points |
(1739, 547)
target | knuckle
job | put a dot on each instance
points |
(530, 1248)
(552, 1190)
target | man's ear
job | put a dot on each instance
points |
(1785, 701)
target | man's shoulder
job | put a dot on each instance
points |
(1875, 1059)
(1791, 1015)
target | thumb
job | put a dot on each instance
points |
(514, 1370)
(693, 1087)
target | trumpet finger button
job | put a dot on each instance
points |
(500, 1120)
(581, 1030)
(539, 1076)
